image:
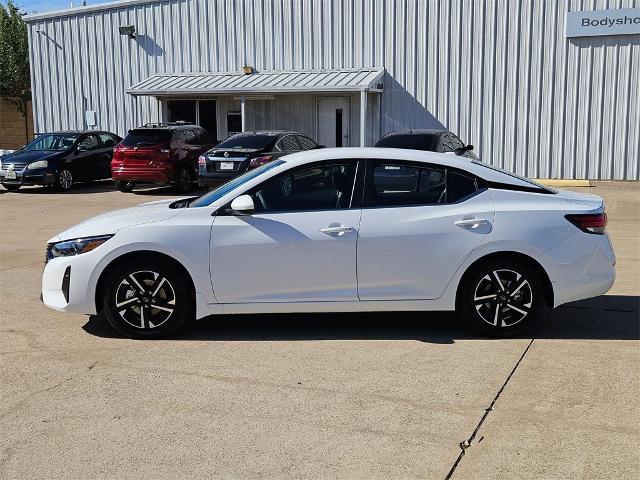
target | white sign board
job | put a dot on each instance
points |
(623, 21)
(90, 117)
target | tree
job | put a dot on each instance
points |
(15, 79)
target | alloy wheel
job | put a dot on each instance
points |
(145, 299)
(65, 179)
(503, 298)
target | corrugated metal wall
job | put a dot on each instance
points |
(497, 72)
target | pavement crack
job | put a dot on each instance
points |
(465, 444)
(48, 389)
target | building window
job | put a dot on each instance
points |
(182, 110)
(234, 123)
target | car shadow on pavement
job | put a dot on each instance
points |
(96, 186)
(604, 318)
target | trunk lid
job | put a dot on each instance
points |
(587, 199)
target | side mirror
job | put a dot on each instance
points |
(321, 146)
(81, 149)
(243, 205)
(463, 150)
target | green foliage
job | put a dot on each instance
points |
(15, 79)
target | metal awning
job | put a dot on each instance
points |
(301, 81)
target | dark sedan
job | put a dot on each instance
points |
(59, 159)
(427, 139)
(248, 150)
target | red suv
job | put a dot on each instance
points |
(160, 153)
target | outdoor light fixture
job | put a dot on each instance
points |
(129, 30)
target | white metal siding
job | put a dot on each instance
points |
(497, 72)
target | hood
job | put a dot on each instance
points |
(587, 199)
(24, 157)
(109, 223)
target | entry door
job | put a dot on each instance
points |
(333, 122)
(299, 245)
(412, 239)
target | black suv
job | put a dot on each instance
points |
(248, 150)
(59, 159)
(160, 153)
(431, 140)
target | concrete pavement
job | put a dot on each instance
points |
(321, 396)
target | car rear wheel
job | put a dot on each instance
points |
(125, 186)
(146, 299)
(64, 180)
(502, 298)
(11, 188)
(184, 180)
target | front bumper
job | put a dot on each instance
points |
(65, 282)
(29, 177)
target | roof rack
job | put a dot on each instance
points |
(167, 124)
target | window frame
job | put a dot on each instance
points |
(354, 202)
(368, 186)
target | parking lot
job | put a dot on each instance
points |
(388, 395)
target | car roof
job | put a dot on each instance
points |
(443, 159)
(273, 133)
(421, 131)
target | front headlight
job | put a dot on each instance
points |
(75, 247)
(38, 164)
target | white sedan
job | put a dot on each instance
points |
(339, 230)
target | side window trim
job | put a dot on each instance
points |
(353, 202)
(367, 177)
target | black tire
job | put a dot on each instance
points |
(125, 187)
(161, 308)
(64, 180)
(504, 309)
(11, 188)
(184, 180)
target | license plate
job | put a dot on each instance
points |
(10, 174)
(226, 165)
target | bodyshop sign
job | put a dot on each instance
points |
(624, 21)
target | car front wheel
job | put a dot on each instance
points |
(64, 180)
(146, 299)
(502, 298)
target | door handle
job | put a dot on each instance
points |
(340, 230)
(471, 222)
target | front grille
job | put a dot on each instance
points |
(66, 280)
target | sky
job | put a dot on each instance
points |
(40, 6)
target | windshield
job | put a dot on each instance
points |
(222, 190)
(53, 141)
(514, 175)
(247, 141)
(146, 137)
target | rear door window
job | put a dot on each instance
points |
(146, 137)
(459, 186)
(396, 184)
(107, 140)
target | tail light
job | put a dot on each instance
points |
(259, 161)
(202, 160)
(589, 223)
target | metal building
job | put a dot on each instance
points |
(505, 75)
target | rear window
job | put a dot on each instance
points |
(411, 141)
(514, 175)
(247, 141)
(146, 137)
